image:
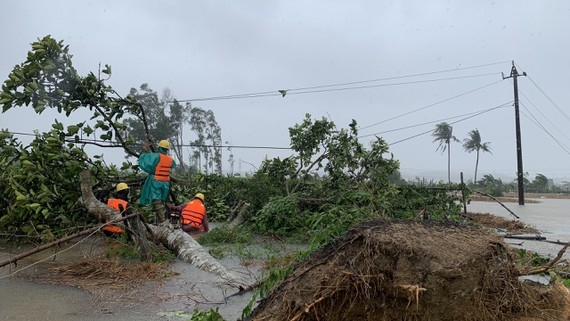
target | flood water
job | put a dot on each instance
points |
(550, 216)
(22, 297)
(25, 296)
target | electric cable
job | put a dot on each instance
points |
(430, 105)
(434, 121)
(537, 123)
(311, 89)
(546, 95)
(457, 121)
(543, 115)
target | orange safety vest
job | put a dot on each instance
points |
(162, 169)
(114, 203)
(193, 213)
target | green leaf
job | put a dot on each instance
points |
(88, 130)
(107, 70)
(72, 129)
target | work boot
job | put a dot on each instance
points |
(159, 211)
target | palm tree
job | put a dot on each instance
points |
(443, 133)
(473, 143)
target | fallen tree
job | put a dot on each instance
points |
(182, 244)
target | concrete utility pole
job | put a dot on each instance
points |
(520, 178)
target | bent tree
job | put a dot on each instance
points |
(473, 143)
(443, 135)
(47, 79)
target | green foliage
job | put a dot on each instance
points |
(197, 315)
(219, 192)
(491, 185)
(281, 215)
(224, 234)
(40, 186)
(441, 202)
(48, 79)
(328, 225)
(527, 258)
(540, 184)
(443, 135)
(474, 144)
(208, 315)
(119, 248)
(271, 277)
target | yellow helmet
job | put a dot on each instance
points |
(164, 144)
(122, 186)
(200, 196)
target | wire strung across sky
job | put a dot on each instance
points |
(465, 117)
(537, 123)
(430, 105)
(342, 86)
(546, 95)
(455, 122)
(476, 113)
(533, 119)
(353, 86)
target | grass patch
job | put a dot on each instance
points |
(225, 235)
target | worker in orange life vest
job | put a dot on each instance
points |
(193, 216)
(120, 203)
(157, 184)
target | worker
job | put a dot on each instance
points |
(120, 203)
(193, 216)
(157, 184)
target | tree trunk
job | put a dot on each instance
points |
(238, 219)
(137, 230)
(188, 250)
(476, 167)
(448, 163)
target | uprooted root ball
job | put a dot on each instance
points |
(396, 270)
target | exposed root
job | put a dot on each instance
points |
(413, 293)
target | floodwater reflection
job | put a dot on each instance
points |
(550, 216)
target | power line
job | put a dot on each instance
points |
(548, 97)
(430, 105)
(537, 123)
(460, 120)
(545, 117)
(434, 121)
(393, 84)
(400, 77)
(319, 88)
(107, 144)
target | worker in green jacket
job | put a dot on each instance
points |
(157, 184)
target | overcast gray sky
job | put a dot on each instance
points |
(205, 49)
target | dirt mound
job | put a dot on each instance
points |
(394, 270)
